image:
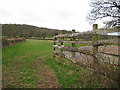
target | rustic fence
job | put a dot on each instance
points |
(98, 57)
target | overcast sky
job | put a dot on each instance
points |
(56, 14)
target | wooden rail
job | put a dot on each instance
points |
(98, 43)
(97, 31)
(95, 43)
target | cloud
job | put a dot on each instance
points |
(59, 14)
(64, 14)
(4, 12)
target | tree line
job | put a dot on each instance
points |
(28, 31)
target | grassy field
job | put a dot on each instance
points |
(30, 65)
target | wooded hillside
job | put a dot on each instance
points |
(23, 30)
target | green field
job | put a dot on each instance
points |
(30, 65)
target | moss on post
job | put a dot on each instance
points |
(95, 38)
(73, 31)
(95, 47)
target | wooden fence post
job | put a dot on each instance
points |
(62, 43)
(54, 43)
(61, 39)
(95, 38)
(73, 44)
(95, 47)
(118, 63)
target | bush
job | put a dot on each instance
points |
(19, 39)
(5, 42)
(10, 41)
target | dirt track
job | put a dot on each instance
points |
(48, 78)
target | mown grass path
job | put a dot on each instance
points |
(24, 66)
(30, 65)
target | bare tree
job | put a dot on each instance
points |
(107, 10)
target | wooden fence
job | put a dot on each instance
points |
(59, 48)
(95, 42)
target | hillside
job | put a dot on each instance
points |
(23, 30)
(28, 31)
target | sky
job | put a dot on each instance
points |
(55, 14)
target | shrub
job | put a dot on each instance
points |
(10, 41)
(19, 39)
(5, 42)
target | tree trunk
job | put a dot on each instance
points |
(44, 37)
(9, 36)
(30, 37)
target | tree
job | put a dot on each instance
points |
(23, 30)
(106, 10)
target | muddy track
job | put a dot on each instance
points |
(48, 78)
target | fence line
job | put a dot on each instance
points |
(98, 43)
(95, 53)
(97, 31)
(95, 42)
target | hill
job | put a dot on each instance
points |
(23, 30)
